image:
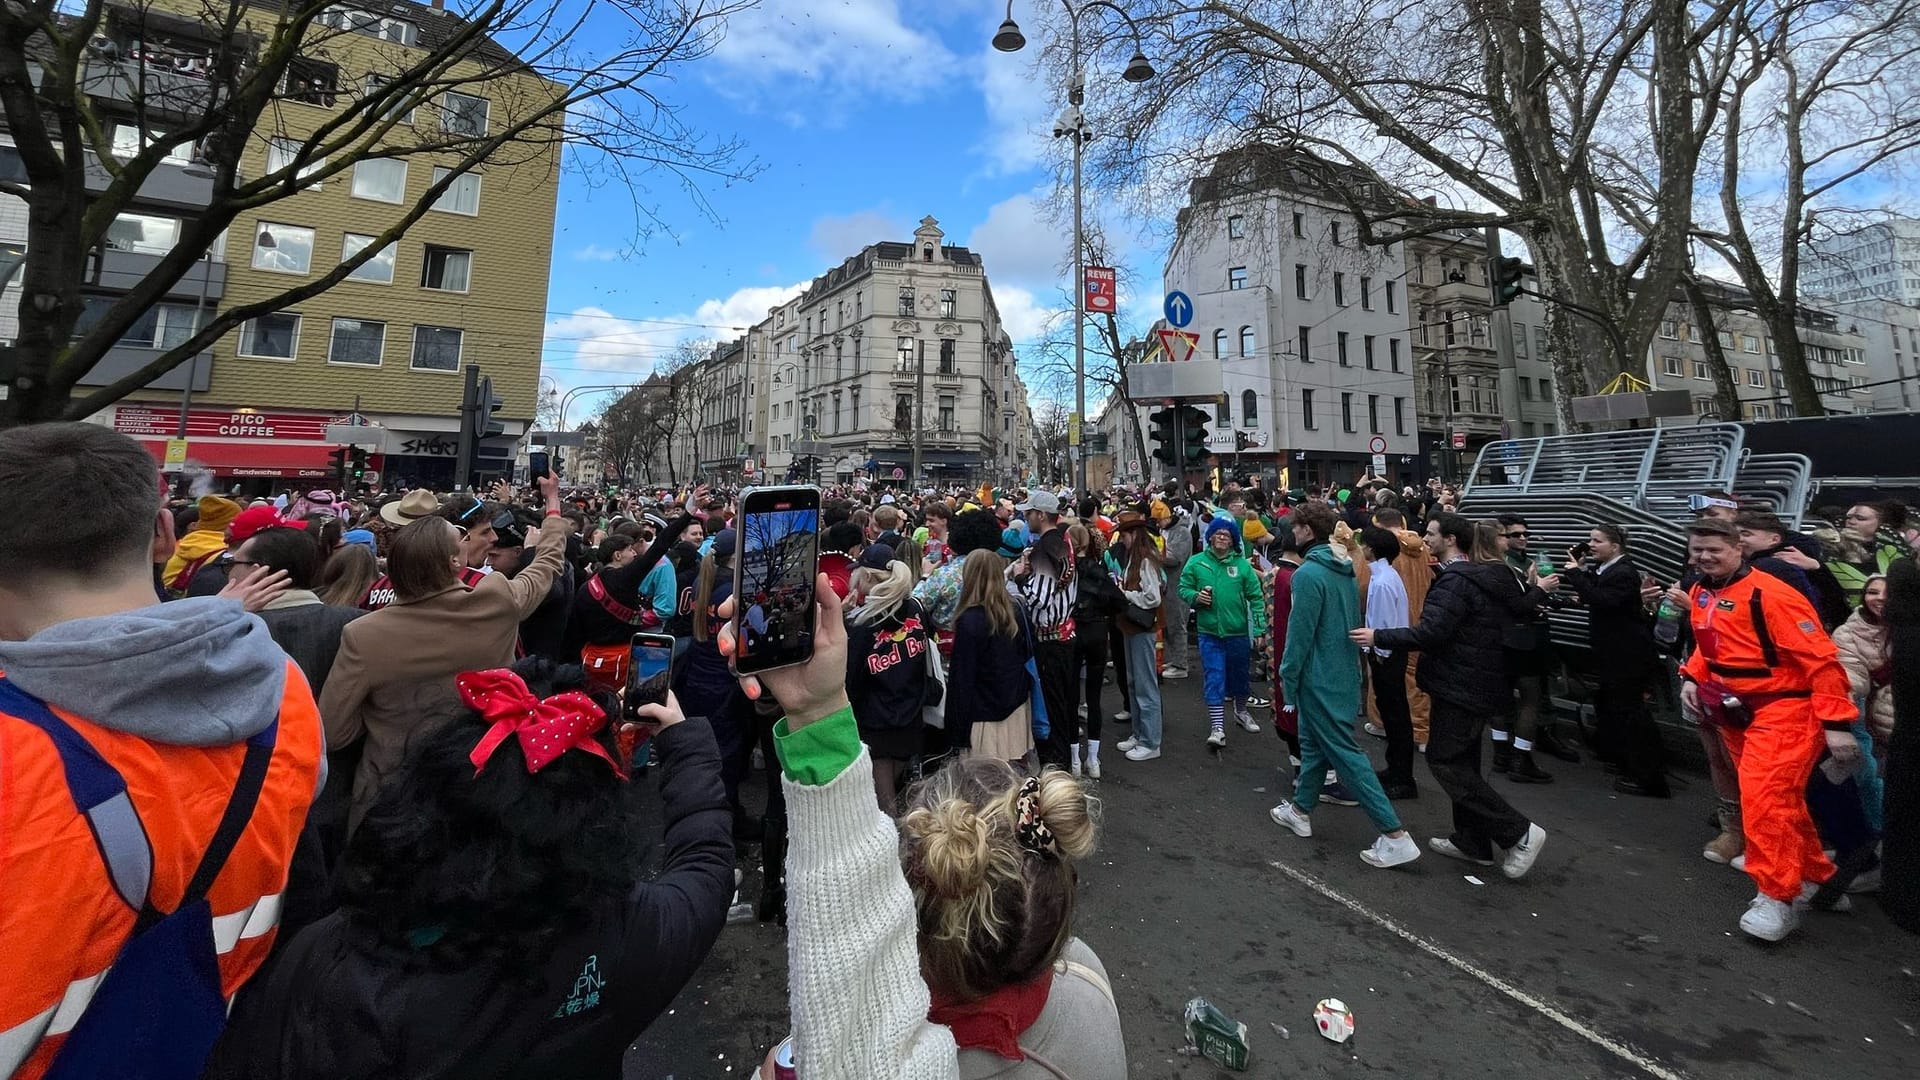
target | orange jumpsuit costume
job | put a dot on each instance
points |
(1761, 642)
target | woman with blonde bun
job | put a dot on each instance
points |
(939, 947)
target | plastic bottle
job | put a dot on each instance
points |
(1666, 625)
(1545, 564)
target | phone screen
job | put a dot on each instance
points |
(779, 531)
(650, 670)
(537, 464)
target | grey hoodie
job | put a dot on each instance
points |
(194, 672)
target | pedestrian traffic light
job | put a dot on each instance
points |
(357, 464)
(339, 460)
(1193, 434)
(1163, 436)
(1242, 440)
(1505, 279)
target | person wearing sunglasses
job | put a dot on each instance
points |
(1530, 657)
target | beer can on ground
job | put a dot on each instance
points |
(783, 1060)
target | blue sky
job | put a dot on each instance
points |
(868, 114)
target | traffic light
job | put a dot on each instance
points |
(339, 460)
(1504, 281)
(1163, 437)
(357, 464)
(478, 404)
(1242, 440)
(1193, 434)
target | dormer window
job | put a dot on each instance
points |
(926, 253)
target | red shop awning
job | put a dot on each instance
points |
(306, 461)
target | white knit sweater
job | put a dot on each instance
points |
(859, 1004)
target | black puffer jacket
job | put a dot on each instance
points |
(1461, 627)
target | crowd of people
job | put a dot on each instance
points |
(383, 747)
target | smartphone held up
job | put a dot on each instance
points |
(773, 577)
(649, 673)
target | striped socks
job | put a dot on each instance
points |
(1217, 717)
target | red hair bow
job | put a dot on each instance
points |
(546, 728)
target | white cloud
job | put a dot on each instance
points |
(591, 346)
(1022, 315)
(835, 237)
(596, 253)
(1019, 246)
(847, 51)
(1020, 111)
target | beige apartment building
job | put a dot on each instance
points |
(467, 284)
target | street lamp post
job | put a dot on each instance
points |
(1072, 123)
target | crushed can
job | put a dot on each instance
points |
(1334, 1019)
(1217, 1037)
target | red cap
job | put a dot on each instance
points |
(253, 520)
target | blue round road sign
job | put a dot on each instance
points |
(1178, 309)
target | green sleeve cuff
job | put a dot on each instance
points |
(822, 750)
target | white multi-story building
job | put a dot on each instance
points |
(1876, 262)
(1305, 320)
(895, 354)
(1891, 331)
(1836, 353)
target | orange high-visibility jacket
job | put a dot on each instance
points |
(1783, 651)
(62, 923)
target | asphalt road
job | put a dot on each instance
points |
(1618, 956)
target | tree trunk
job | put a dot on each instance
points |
(1726, 391)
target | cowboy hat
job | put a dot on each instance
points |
(410, 507)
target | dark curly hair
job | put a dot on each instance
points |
(455, 867)
(973, 530)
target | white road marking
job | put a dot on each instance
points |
(1544, 1008)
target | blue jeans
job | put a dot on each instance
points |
(1223, 662)
(1144, 678)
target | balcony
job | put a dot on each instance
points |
(1459, 294)
(122, 270)
(157, 88)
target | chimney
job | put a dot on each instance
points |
(439, 5)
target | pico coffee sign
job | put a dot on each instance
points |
(223, 424)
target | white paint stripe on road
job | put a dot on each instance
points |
(1547, 1009)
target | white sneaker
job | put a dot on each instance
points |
(1126, 744)
(1739, 862)
(1387, 852)
(1143, 753)
(1422, 747)
(1076, 767)
(1217, 738)
(1247, 722)
(1123, 714)
(1289, 815)
(1172, 671)
(1444, 846)
(1375, 730)
(1866, 881)
(1093, 770)
(1804, 902)
(1769, 919)
(1520, 858)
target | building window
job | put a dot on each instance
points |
(284, 249)
(1762, 412)
(378, 269)
(1339, 289)
(1366, 350)
(380, 179)
(1299, 224)
(903, 412)
(947, 365)
(1237, 277)
(445, 268)
(1700, 369)
(1393, 353)
(1346, 411)
(1400, 415)
(397, 108)
(1300, 280)
(463, 114)
(906, 300)
(1527, 429)
(161, 326)
(946, 413)
(462, 195)
(281, 153)
(398, 31)
(1341, 338)
(147, 233)
(1670, 365)
(1526, 389)
(1693, 333)
(905, 347)
(436, 348)
(357, 341)
(1749, 344)
(1301, 345)
(1236, 227)
(1726, 339)
(1669, 329)
(949, 300)
(270, 337)
(1373, 413)
(1756, 377)
(855, 407)
(1225, 417)
(1220, 344)
(312, 82)
(1306, 410)
(1333, 233)
(1249, 408)
(1246, 341)
(1779, 380)
(127, 143)
(1366, 293)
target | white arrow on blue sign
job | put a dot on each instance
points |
(1178, 309)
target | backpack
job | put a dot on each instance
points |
(159, 1009)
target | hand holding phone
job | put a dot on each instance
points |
(648, 703)
(774, 577)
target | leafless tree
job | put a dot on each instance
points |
(1108, 349)
(1514, 113)
(229, 93)
(1050, 440)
